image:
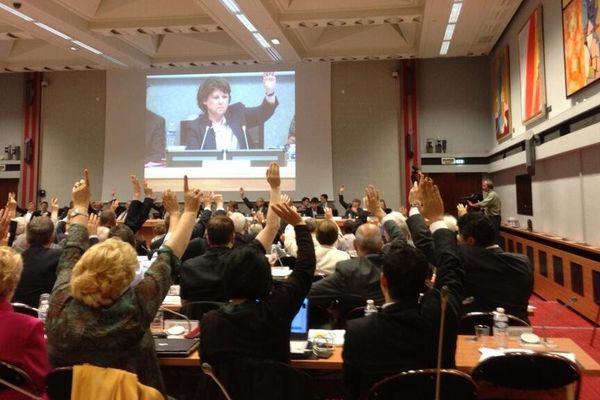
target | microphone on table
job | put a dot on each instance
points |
(443, 306)
(189, 323)
(567, 304)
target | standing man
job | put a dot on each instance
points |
(491, 206)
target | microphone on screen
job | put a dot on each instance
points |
(443, 306)
(567, 304)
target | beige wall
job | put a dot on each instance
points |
(11, 110)
(365, 105)
(73, 112)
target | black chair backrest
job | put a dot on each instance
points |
(196, 309)
(347, 304)
(59, 383)
(469, 320)
(25, 309)
(17, 377)
(528, 371)
(254, 379)
(420, 385)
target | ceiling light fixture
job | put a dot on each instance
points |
(246, 22)
(275, 41)
(15, 12)
(52, 30)
(449, 31)
(231, 6)
(444, 48)
(455, 13)
(85, 46)
(261, 40)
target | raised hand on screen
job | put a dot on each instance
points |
(269, 82)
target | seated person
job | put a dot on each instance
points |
(304, 205)
(404, 335)
(22, 342)
(314, 210)
(95, 315)
(324, 199)
(358, 276)
(39, 262)
(327, 255)
(223, 126)
(240, 225)
(43, 211)
(353, 210)
(348, 228)
(493, 277)
(202, 276)
(256, 322)
(289, 236)
(258, 206)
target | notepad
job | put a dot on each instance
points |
(336, 334)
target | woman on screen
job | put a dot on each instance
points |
(223, 126)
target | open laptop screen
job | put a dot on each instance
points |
(300, 322)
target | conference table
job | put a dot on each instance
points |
(467, 355)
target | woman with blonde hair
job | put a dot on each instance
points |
(23, 344)
(96, 315)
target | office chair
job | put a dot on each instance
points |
(469, 320)
(196, 309)
(15, 379)
(59, 382)
(420, 385)
(519, 375)
(253, 379)
(25, 309)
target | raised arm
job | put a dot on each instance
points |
(266, 236)
(341, 197)
(179, 235)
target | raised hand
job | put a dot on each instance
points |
(414, 196)
(5, 216)
(81, 192)
(273, 175)
(169, 200)
(207, 199)
(147, 189)
(11, 204)
(92, 225)
(287, 214)
(269, 82)
(461, 209)
(341, 189)
(218, 199)
(137, 188)
(242, 193)
(433, 206)
(328, 213)
(285, 199)
(192, 197)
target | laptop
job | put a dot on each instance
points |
(299, 344)
(175, 347)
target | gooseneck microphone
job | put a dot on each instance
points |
(438, 371)
(569, 303)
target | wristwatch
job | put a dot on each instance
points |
(75, 212)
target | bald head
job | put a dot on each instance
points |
(368, 240)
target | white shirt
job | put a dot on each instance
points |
(327, 258)
(224, 137)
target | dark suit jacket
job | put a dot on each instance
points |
(202, 277)
(309, 212)
(405, 335)
(40, 213)
(22, 344)
(39, 274)
(263, 209)
(493, 277)
(200, 135)
(496, 278)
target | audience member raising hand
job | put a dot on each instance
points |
(433, 206)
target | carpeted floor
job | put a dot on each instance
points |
(562, 322)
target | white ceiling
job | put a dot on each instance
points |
(180, 33)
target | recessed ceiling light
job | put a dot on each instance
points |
(275, 41)
(444, 48)
(73, 48)
(456, 7)
(449, 31)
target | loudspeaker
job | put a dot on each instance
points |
(530, 155)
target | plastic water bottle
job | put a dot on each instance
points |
(291, 153)
(370, 309)
(43, 310)
(171, 134)
(500, 328)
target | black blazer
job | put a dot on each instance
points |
(39, 274)
(405, 335)
(200, 135)
(309, 212)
